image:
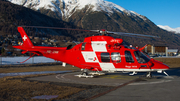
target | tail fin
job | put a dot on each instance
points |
(26, 41)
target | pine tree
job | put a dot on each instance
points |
(2, 50)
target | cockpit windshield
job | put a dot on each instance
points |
(141, 57)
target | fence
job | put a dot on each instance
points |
(18, 60)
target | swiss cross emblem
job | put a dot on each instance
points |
(24, 38)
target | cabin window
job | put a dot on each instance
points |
(129, 57)
(83, 46)
(115, 57)
(140, 57)
(105, 57)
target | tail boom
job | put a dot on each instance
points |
(50, 52)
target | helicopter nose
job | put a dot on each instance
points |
(159, 65)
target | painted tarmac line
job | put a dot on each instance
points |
(62, 77)
(156, 82)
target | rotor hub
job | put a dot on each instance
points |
(103, 31)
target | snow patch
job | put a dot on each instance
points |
(68, 7)
(167, 28)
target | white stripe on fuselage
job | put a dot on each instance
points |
(133, 70)
(99, 46)
(107, 66)
(91, 57)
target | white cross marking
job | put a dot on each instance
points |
(24, 38)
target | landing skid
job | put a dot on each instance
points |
(133, 73)
(86, 74)
(97, 73)
(165, 73)
(149, 74)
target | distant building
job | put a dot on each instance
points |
(31, 37)
(15, 36)
(156, 49)
(36, 38)
(9, 35)
(172, 52)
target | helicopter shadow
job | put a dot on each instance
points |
(173, 72)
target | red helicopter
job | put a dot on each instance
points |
(98, 53)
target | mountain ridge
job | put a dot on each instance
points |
(66, 8)
(120, 22)
(12, 16)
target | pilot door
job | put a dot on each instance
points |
(142, 60)
(130, 61)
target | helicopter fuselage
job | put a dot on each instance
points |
(104, 53)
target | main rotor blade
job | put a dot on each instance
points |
(96, 31)
(122, 33)
(137, 37)
(57, 28)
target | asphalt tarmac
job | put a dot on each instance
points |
(134, 88)
(168, 90)
(110, 79)
(159, 88)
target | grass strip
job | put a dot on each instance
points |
(18, 89)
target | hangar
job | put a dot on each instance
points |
(156, 49)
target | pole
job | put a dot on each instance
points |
(0, 60)
(32, 60)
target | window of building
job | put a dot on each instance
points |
(129, 57)
(105, 57)
(115, 57)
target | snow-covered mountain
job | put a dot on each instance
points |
(174, 30)
(101, 15)
(67, 8)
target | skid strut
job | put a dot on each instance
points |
(149, 75)
(84, 74)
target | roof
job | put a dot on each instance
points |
(159, 45)
(173, 50)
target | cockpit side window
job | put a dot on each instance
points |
(105, 57)
(141, 58)
(83, 46)
(129, 57)
(115, 57)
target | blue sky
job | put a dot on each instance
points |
(161, 12)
